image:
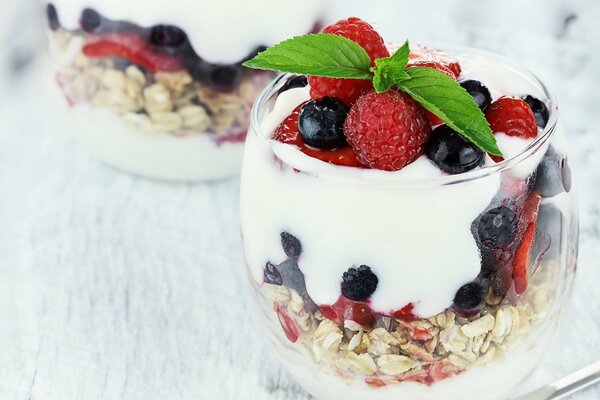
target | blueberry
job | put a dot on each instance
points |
(291, 245)
(497, 227)
(321, 123)
(225, 77)
(540, 110)
(272, 275)
(553, 175)
(52, 15)
(359, 284)
(480, 93)
(470, 298)
(90, 20)
(451, 152)
(294, 82)
(167, 36)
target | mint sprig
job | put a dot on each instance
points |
(320, 54)
(334, 56)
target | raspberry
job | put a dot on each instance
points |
(288, 133)
(434, 120)
(425, 54)
(349, 90)
(513, 117)
(388, 131)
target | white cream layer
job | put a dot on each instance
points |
(222, 32)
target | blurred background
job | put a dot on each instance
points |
(70, 331)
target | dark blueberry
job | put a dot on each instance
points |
(291, 245)
(272, 275)
(359, 284)
(225, 77)
(90, 20)
(550, 221)
(479, 92)
(321, 123)
(451, 152)
(294, 82)
(553, 175)
(52, 15)
(497, 227)
(167, 36)
(540, 110)
(291, 275)
(470, 298)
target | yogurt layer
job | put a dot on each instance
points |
(414, 234)
(221, 32)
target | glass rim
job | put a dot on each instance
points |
(483, 172)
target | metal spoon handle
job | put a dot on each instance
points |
(567, 385)
(576, 381)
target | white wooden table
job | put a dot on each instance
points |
(115, 287)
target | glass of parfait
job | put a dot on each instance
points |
(390, 256)
(160, 90)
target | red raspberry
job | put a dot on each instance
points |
(288, 133)
(434, 120)
(349, 90)
(388, 130)
(513, 117)
(425, 54)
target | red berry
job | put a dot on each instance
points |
(520, 273)
(133, 49)
(388, 130)
(349, 90)
(289, 326)
(513, 117)
(434, 120)
(345, 309)
(406, 313)
(288, 133)
(425, 54)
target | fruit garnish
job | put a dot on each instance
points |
(288, 325)
(134, 49)
(451, 152)
(434, 119)
(540, 110)
(426, 54)
(349, 90)
(405, 313)
(522, 257)
(359, 284)
(470, 298)
(497, 227)
(291, 245)
(333, 56)
(479, 92)
(513, 117)
(287, 132)
(345, 309)
(388, 131)
(321, 123)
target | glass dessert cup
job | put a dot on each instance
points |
(155, 99)
(305, 222)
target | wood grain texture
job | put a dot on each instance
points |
(115, 287)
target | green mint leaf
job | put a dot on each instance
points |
(391, 70)
(401, 55)
(320, 54)
(444, 97)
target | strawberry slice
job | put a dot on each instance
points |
(133, 49)
(405, 313)
(288, 133)
(522, 255)
(345, 309)
(288, 324)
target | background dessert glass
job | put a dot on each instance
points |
(289, 208)
(160, 91)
